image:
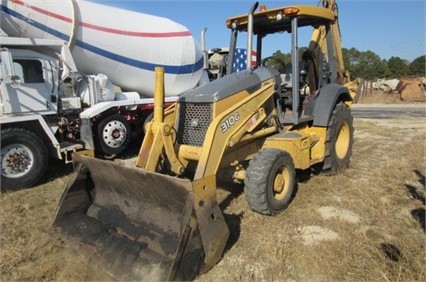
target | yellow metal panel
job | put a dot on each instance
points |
(203, 188)
(304, 10)
(150, 151)
(89, 153)
(318, 135)
(241, 152)
(187, 152)
(296, 144)
(223, 105)
(306, 145)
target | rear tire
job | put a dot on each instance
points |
(24, 158)
(113, 135)
(270, 181)
(339, 140)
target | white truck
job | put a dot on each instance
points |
(49, 109)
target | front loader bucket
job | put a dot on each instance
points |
(135, 224)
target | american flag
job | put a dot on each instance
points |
(240, 59)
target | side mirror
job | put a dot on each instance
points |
(6, 65)
(16, 81)
(7, 70)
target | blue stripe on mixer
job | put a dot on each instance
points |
(183, 69)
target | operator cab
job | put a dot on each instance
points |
(315, 67)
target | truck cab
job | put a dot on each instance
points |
(36, 89)
(42, 100)
(33, 102)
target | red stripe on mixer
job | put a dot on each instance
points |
(136, 33)
(105, 29)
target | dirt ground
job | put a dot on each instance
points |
(367, 223)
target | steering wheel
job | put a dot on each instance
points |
(267, 62)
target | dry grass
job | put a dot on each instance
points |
(378, 206)
(380, 96)
(30, 250)
(384, 184)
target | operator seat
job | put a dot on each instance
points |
(312, 76)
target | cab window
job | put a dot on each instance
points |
(30, 71)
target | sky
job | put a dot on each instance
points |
(388, 28)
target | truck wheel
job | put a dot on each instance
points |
(270, 181)
(113, 135)
(339, 140)
(24, 158)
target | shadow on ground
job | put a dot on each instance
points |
(419, 213)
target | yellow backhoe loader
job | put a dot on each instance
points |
(159, 219)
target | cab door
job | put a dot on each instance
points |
(32, 93)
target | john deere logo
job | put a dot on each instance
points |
(194, 122)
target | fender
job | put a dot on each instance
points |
(38, 125)
(322, 105)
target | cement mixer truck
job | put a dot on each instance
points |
(78, 76)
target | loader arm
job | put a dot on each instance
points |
(223, 133)
(159, 134)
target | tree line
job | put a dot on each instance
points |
(369, 65)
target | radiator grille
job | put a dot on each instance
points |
(194, 120)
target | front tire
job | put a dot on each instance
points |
(24, 158)
(270, 182)
(339, 140)
(113, 135)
